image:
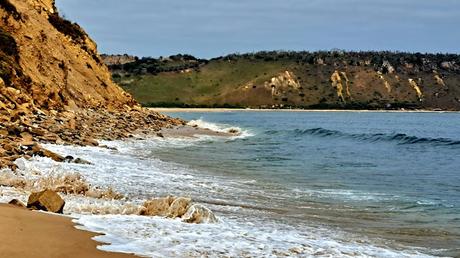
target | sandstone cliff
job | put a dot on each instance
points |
(47, 62)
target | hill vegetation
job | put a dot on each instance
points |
(280, 79)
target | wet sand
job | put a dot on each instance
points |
(25, 233)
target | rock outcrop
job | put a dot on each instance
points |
(197, 214)
(118, 59)
(180, 207)
(157, 207)
(46, 200)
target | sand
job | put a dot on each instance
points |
(25, 233)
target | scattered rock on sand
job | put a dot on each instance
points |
(197, 214)
(46, 200)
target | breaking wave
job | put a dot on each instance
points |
(223, 128)
(398, 138)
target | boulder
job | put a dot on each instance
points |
(38, 150)
(88, 141)
(81, 161)
(46, 200)
(198, 213)
(157, 207)
(179, 207)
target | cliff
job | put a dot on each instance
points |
(54, 88)
(49, 63)
(332, 79)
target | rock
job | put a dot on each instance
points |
(17, 203)
(198, 213)
(388, 68)
(81, 161)
(50, 137)
(233, 131)
(157, 207)
(46, 200)
(37, 131)
(179, 207)
(447, 65)
(38, 150)
(90, 142)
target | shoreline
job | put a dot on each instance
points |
(28, 233)
(218, 110)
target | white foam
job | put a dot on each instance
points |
(158, 237)
(224, 128)
(132, 171)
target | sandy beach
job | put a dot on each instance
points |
(26, 233)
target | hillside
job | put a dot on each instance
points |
(333, 79)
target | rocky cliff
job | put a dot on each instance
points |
(49, 63)
(54, 88)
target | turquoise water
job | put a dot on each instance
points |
(394, 176)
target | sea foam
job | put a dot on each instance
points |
(240, 232)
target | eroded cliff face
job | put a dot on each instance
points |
(48, 63)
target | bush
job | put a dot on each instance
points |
(10, 9)
(8, 45)
(68, 28)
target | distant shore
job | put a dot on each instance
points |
(174, 110)
(37, 234)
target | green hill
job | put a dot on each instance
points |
(334, 79)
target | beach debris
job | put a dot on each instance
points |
(46, 200)
(198, 214)
(17, 203)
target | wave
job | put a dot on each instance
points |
(220, 128)
(399, 138)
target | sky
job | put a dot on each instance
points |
(211, 28)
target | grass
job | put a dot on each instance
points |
(200, 86)
(68, 28)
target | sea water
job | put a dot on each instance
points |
(293, 184)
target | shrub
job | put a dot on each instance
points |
(8, 44)
(68, 28)
(10, 9)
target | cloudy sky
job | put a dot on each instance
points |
(209, 28)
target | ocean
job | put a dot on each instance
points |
(293, 184)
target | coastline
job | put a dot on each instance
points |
(37, 234)
(217, 110)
